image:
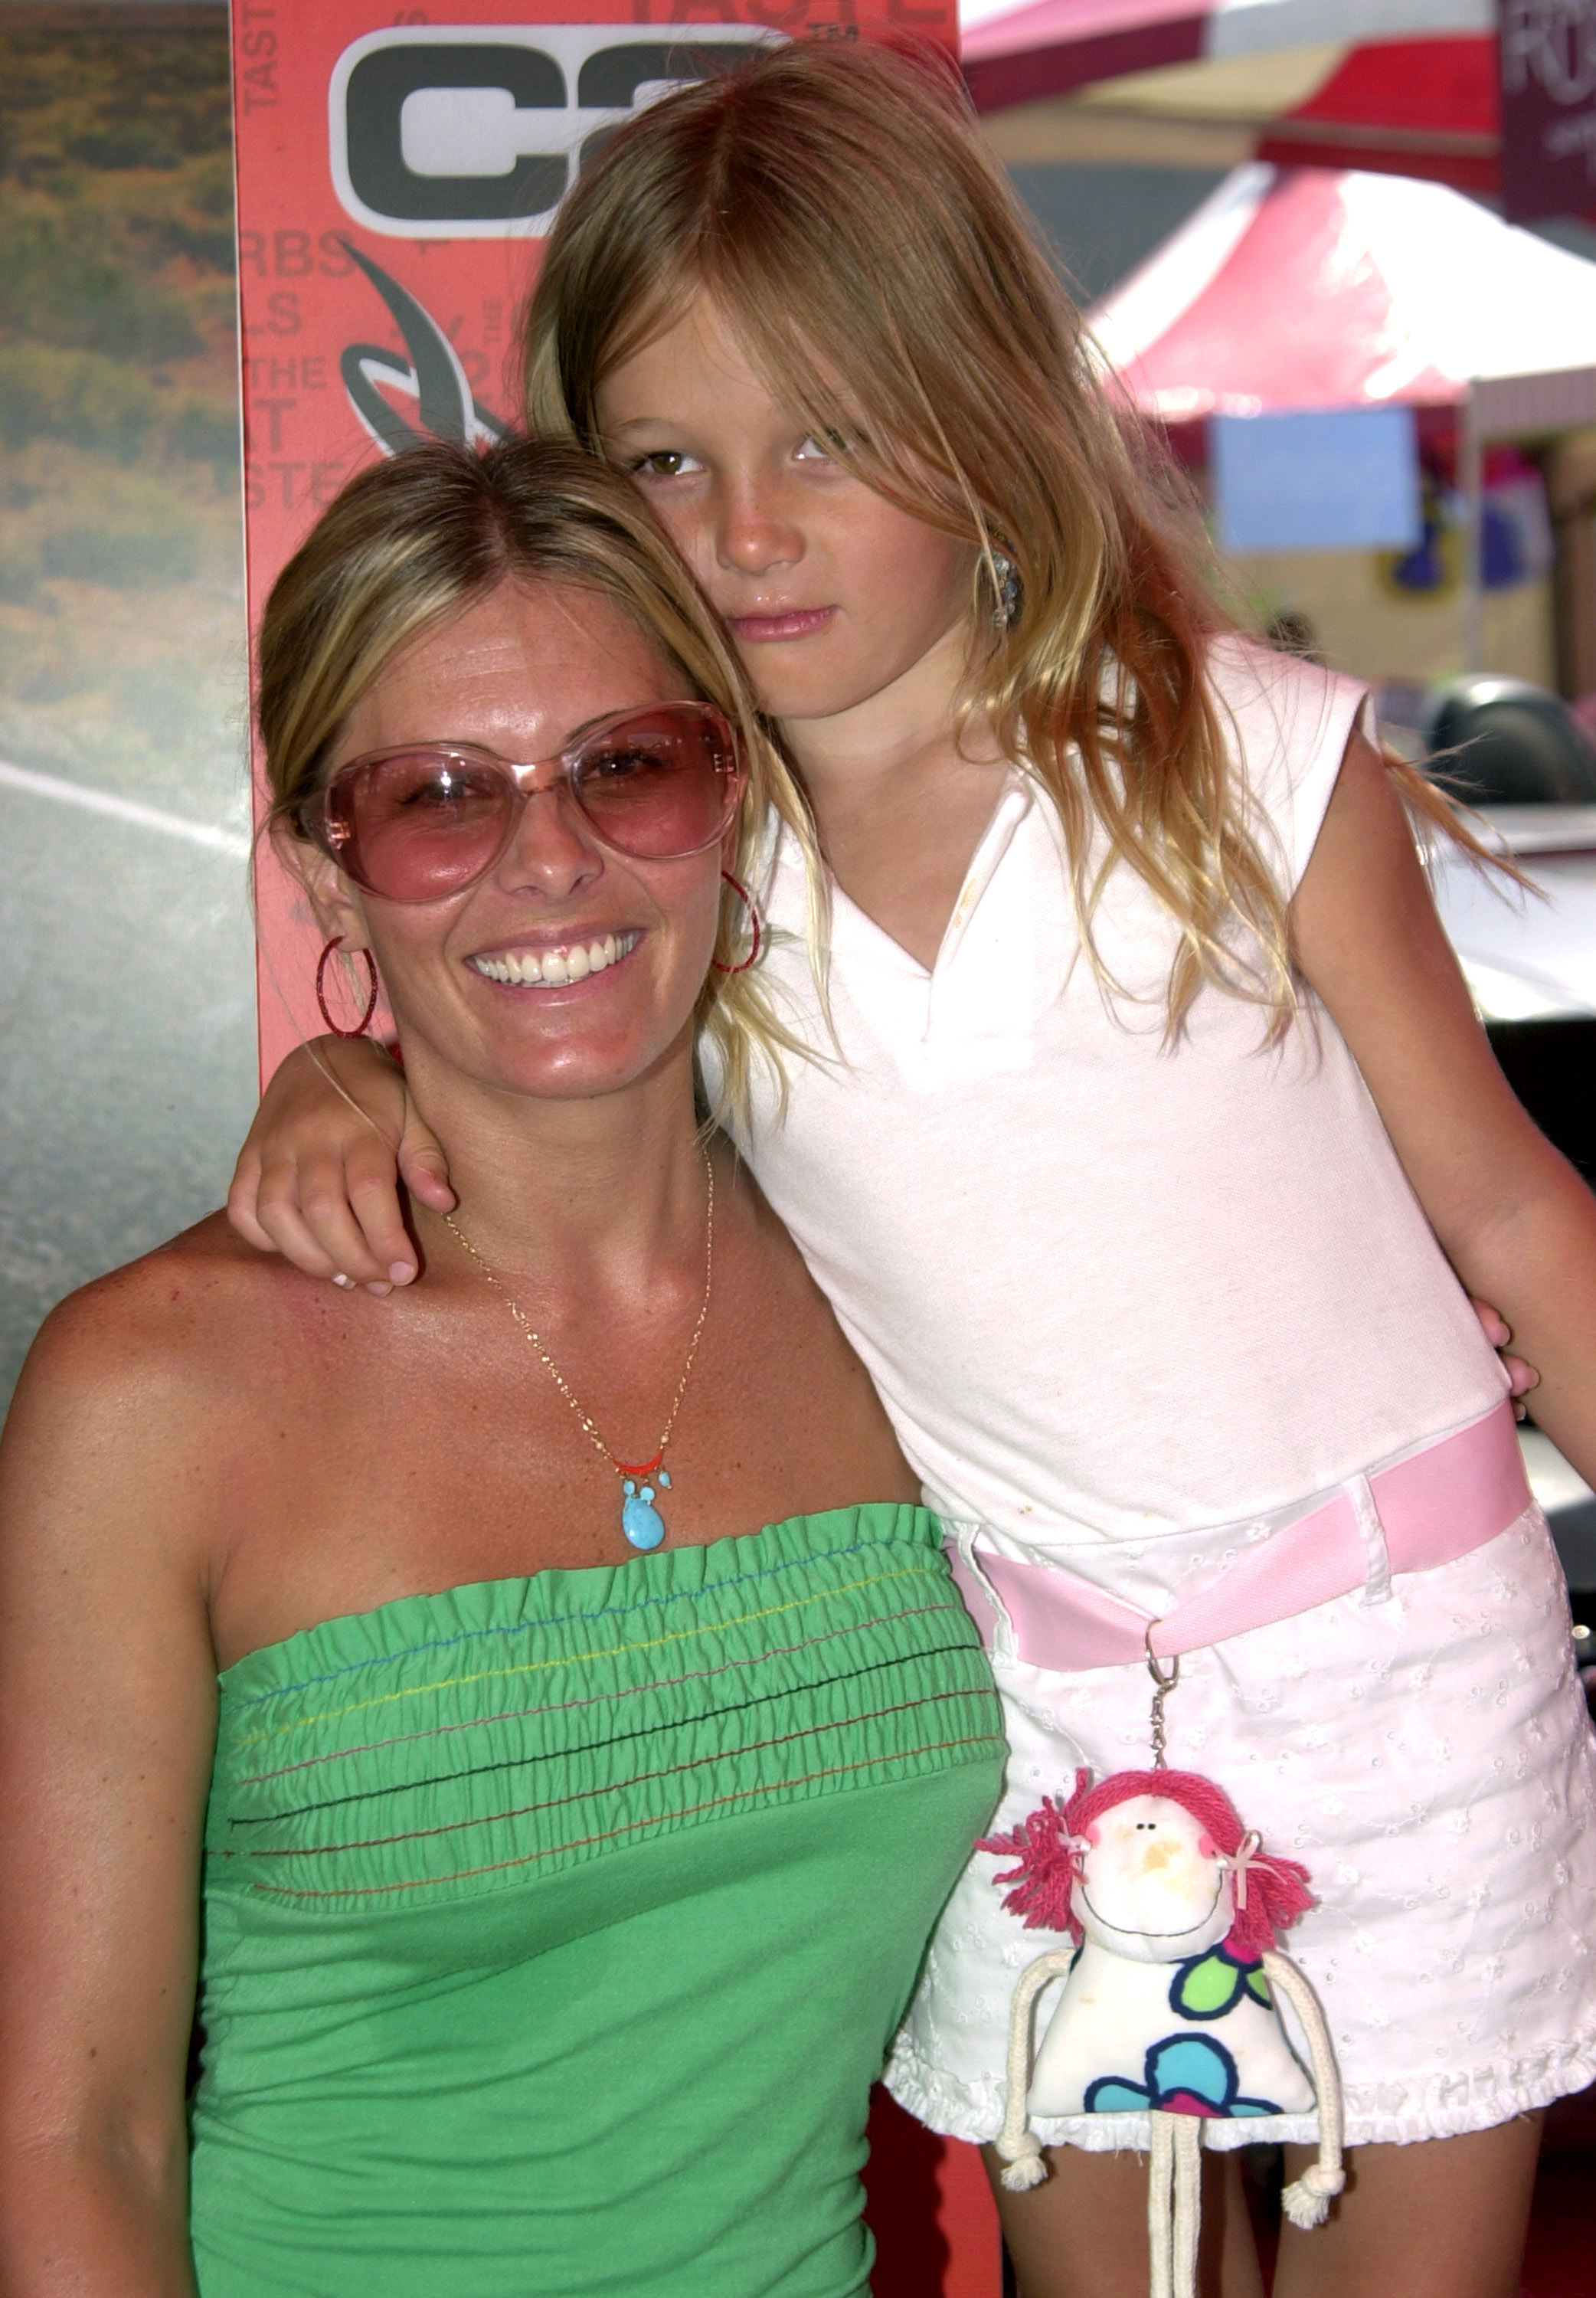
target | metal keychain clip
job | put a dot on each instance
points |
(1164, 1685)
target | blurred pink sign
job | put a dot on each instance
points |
(1548, 108)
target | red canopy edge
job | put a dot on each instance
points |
(1029, 75)
(1426, 105)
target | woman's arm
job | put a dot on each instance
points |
(318, 1178)
(107, 1726)
(1513, 1217)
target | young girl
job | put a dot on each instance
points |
(1147, 1110)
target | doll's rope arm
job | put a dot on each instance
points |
(1307, 2201)
(1016, 2143)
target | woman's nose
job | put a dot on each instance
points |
(553, 852)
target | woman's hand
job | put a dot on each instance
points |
(318, 1178)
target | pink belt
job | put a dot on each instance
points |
(1436, 1505)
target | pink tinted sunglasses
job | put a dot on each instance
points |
(425, 820)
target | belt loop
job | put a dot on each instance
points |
(1376, 1583)
(1003, 1644)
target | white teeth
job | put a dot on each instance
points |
(557, 967)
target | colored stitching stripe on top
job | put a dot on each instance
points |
(601, 1699)
(573, 1659)
(632, 1827)
(555, 1620)
(619, 1787)
(790, 1693)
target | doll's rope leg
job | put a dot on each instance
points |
(1016, 2143)
(1160, 2197)
(1187, 2215)
(1307, 2201)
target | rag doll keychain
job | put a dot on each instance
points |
(1170, 1978)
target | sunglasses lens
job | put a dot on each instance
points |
(661, 782)
(418, 825)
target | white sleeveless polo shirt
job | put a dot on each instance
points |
(1102, 1284)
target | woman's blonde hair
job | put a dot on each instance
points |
(412, 542)
(841, 208)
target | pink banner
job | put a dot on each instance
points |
(396, 175)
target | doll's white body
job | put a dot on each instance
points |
(1117, 2041)
(1154, 2012)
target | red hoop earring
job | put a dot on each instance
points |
(364, 1023)
(755, 926)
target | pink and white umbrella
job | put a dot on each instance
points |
(1313, 287)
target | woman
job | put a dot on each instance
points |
(558, 1901)
(1159, 1114)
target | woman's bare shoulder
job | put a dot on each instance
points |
(167, 1333)
(128, 1459)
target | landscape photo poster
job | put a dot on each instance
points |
(396, 172)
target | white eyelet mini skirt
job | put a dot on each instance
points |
(1423, 1747)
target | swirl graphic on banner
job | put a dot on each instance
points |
(434, 378)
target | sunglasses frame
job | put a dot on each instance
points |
(314, 816)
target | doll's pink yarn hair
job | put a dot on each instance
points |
(1045, 1845)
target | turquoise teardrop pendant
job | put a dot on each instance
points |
(640, 1520)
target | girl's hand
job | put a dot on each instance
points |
(318, 1178)
(1521, 1378)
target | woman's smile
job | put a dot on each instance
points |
(558, 965)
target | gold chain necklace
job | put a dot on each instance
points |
(640, 1520)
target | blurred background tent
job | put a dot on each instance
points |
(1121, 119)
(1299, 289)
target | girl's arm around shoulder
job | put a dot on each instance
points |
(318, 1178)
(112, 1470)
(1514, 1218)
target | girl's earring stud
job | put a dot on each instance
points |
(1006, 576)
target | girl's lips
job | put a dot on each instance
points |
(797, 623)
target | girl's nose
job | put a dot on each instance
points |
(553, 851)
(756, 535)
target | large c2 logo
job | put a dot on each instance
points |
(468, 131)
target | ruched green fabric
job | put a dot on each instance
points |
(555, 1928)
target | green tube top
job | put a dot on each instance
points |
(555, 1928)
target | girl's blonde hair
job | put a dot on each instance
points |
(838, 203)
(416, 541)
